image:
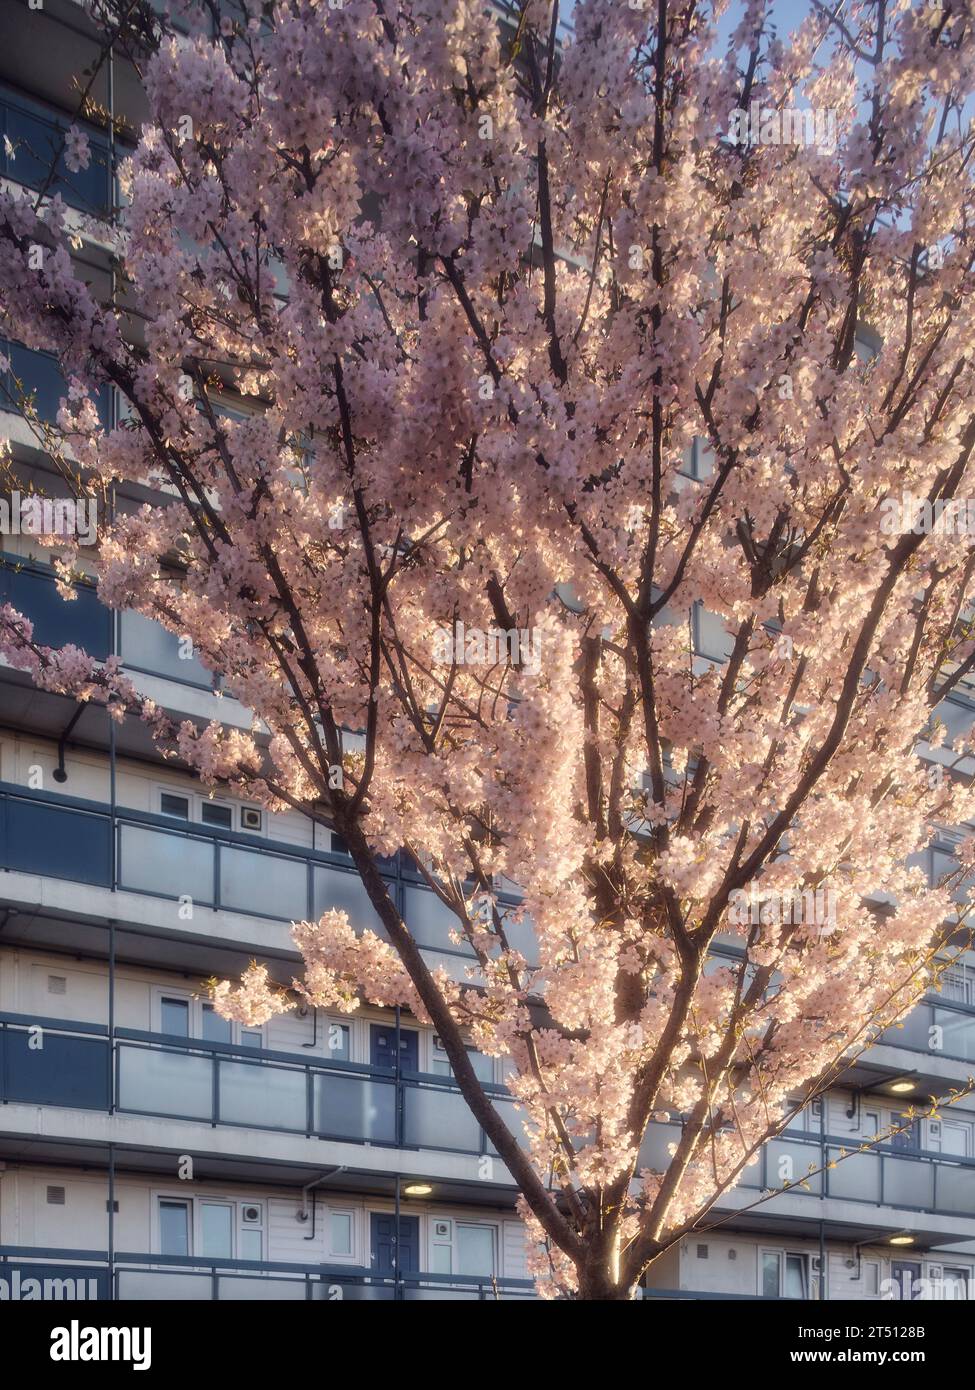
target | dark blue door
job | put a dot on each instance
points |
(384, 1256)
(382, 1048)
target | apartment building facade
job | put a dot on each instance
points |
(150, 1149)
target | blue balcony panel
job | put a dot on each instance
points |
(38, 837)
(82, 620)
(42, 1067)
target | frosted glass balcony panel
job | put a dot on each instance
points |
(956, 1189)
(908, 1183)
(440, 1120)
(458, 968)
(957, 1034)
(151, 861)
(912, 1031)
(444, 1295)
(431, 921)
(751, 1176)
(249, 1289)
(521, 937)
(263, 883)
(654, 1149)
(273, 1097)
(150, 647)
(338, 891)
(165, 1083)
(789, 1162)
(169, 1285)
(515, 1121)
(353, 1107)
(856, 1177)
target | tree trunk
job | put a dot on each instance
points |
(599, 1278)
(598, 1287)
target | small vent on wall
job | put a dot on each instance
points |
(732, 1254)
(55, 1196)
(57, 984)
(702, 1252)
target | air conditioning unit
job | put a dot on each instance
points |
(441, 1229)
(250, 818)
(251, 1215)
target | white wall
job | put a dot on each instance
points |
(28, 1218)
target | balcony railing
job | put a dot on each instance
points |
(40, 380)
(70, 838)
(31, 140)
(84, 621)
(938, 1027)
(144, 645)
(50, 1062)
(77, 1065)
(139, 1276)
(886, 1175)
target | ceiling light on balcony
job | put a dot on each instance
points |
(902, 1240)
(902, 1087)
(417, 1189)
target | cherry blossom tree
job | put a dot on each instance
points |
(487, 290)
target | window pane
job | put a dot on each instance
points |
(175, 1017)
(174, 1228)
(217, 1226)
(770, 1276)
(215, 1028)
(171, 805)
(250, 1038)
(213, 813)
(795, 1276)
(475, 1250)
(340, 1233)
(338, 1042)
(441, 1260)
(483, 1066)
(251, 1245)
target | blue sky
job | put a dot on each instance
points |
(787, 13)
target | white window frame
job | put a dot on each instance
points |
(196, 1011)
(195, 1201)
(330, 1021)
(456, 1222)
(782, 1254)
(438, 1054)
(331, 1256)
(182, 1199)
(197, 800)
(213, 1200)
